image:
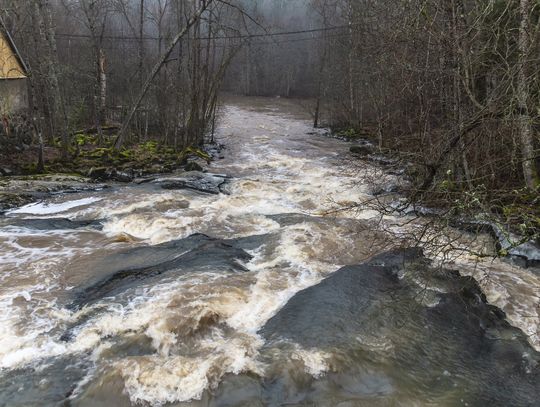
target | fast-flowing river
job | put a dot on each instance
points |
(143, 295)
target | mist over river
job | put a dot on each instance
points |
(259, 295)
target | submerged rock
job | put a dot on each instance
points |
(424, 332)
(50, 385)
(124, 271)
(55, 224)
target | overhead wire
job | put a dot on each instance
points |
(217, 37)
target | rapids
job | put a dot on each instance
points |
(157, 294)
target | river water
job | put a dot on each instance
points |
(142, 295)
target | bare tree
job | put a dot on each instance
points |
(524, 118)
(157, 67)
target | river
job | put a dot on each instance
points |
(140, 295)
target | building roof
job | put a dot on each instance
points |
(12, 65)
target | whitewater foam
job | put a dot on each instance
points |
(48, 208)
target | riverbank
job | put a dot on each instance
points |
(95, 168)
(513, 220)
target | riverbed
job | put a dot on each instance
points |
(140, 294)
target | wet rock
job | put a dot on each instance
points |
(362, 150)
(6, 172)
(55, 224)
(13, 200)
(524, 254)
(111, 174)
(193, 166)
(156, 169)
(382, 160)
(99, 173)
(18, 191)
(197, 253)
(215, 151)
(143, 180)
(404, 207)
(430, 327)
(386, 188)
(122, 176)
(207, 183)
(50, 385)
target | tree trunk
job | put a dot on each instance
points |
(102, 88)
(46, 29)
(457, 28)
(320, 78)
(524, 118)
(39, 83)
(141, 44)
(352, 101)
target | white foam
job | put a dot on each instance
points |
(47, 208)
(314, 360)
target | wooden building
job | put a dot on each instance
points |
(13, 75)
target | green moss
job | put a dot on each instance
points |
(86, 139)
(29, 168)
(125, 153)
(149, 146)
(199, 153)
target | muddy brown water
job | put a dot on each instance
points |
(137, 295)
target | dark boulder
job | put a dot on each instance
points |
(122, 176)
(364, 149)
(110, 174)
(197, 181)
(99, 173)
(192, 166)
(6, 172)
(383, 160)
(424, 332)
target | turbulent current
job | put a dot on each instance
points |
(260, 294)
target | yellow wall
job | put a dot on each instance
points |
(10, 66)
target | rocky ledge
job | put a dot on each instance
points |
(396, 326)
(17, 191)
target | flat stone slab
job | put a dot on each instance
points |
(197, 181)
(19, 191)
